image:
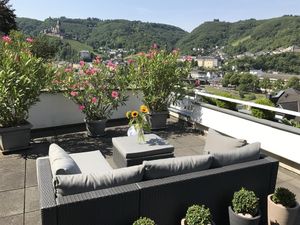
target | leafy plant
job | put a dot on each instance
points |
(22, 77)
(98, 89)
(226, 104)
(291, 122)
(144, 221)
(198, 215)
(284, 197)
(263, 113)
(158, 74)
(245, 202)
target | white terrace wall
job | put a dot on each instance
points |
(56, 110)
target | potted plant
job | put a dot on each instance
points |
(160, 77)
(197, 215)
(22, 77)
(283, 208)
(244, 209)
(144, 221)
(97, 89)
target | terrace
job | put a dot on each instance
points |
(18, 185)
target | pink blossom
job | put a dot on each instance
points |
(6, 39)
(130, 61)
(30, 40)
(90, 71)
(175, 51)
(114, 94)
(74, 93)
(197, 83)
(67, 70)
(141, 54)
(81, 63)
(94, 100)
(155, 46)
(189, 58)
(81, 107)
(111, 65)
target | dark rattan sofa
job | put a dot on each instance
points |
(165, 200)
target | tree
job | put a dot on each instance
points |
(278, 84)
(265, 83)
(7, 17)
(293, 82)
(248, 83)
(235, 79)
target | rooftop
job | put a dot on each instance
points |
(18, 185)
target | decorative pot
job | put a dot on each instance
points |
(158, 120)
(184, 223)
(279, 214)
(236, 219)
(15, 138)
(95, 128)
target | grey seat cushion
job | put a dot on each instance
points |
(174, 166)
(130, 148)
(91, 162)
(61, 162)
(217, 142)
(78, 183)
(243, 154)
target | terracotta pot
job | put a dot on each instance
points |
(95, 128)
(15, 138)
(279, 214)
(236, 219)
(158, 120)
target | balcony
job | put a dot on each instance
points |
(61, 123)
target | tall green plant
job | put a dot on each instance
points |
(22, 77)
(157, 74)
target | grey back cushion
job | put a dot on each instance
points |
(174, 166)
(72, 184)
(217, 142)
(243, 154)
(61, 162)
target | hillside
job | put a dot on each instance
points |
(244, 36)
(108, 33)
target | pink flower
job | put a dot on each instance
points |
(94, 100)
(81, 107)
(111, 65)
(197, 83)
(30, 40)
(90, 71)
(6, 39)
(130, 61)
(67, 70)
(189, 58)
(74, 93)
(175, 51)
(81, 63)
(155, 46)
(114, 94)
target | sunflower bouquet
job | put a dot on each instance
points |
(140, 121)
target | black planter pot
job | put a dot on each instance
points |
(158, 120)
(236, 219)
(95, 128)
(15, 138)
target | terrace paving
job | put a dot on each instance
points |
(19, 198)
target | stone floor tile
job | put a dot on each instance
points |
(31, 199)
(12, 220)
(12, 172)
(33, 218)
(12, 202)
(31, 179)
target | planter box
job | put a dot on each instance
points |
(15, 138)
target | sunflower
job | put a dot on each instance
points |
(144, 109)
(128, 114)
(134, 114)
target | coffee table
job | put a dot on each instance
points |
(128, 152)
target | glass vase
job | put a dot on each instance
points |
(140, 136)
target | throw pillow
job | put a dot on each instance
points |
(78, 183)
(174, 166)
(61, 162)
(243, 154)
(217, 142)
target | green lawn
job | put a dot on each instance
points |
(78, 46)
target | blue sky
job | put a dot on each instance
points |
(186, 14)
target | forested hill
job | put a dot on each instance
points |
(244, 36)
(108, 33)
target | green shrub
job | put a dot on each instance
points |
(144, 221)
(245, 202)
(208, 100)
(197, 215)
(263, 113)
(284, 197)
(291, 122)
(226, 104)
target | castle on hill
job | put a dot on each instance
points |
(54, 31)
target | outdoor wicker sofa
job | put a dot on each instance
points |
(165, 200)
